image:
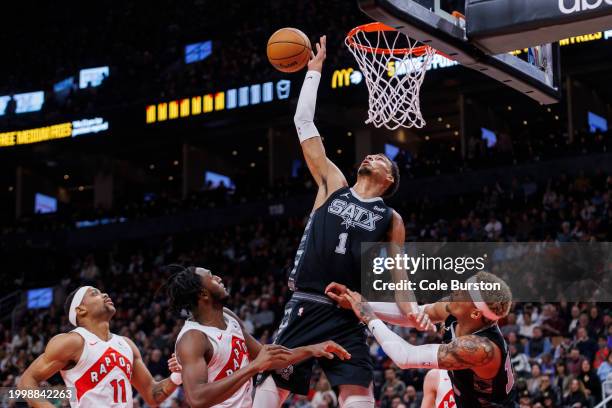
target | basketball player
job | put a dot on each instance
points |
(341, 219)
(437, 390)
(474, 350)
(215, 351)
(99, 365)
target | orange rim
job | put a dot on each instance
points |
(377, 27)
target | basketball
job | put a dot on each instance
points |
(289, 49)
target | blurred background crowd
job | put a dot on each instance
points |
(560, 351)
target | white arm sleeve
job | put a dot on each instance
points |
(304, 114)
(389, 312)
(404, 354)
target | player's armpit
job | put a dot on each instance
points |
(466, 352)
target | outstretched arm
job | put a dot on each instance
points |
(326, 349)
(153, 392)
(61, 351)
(191, 351)
(327, 176)
(463, 352)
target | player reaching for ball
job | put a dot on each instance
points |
(342, 218)
(474, 350)
(218, 357)
(100, 366)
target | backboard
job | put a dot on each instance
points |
(428, 22)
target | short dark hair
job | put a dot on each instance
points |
(183, 288)
(68, 301)
(392, 189)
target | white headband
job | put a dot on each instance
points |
(76, 302)
(479, 303)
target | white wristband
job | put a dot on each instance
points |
(304, 114)
(176, 378)
(404, 354)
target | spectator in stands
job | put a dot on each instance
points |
(552, 324)
(546, 388)
(324, 396)
(596, 324)
(510, 325)
(392, 381)
(602, 352)
(585, 344)
(538, 344)
(589, 378)
(520, 361)
(576, 397)
(605, 369)
(573, 361)
(386, 400)
(533, 383)
(561, 380)
(575, 315)
(411, 398)
(157, 365)
(547, 365)
(527, 325)
(493, 228)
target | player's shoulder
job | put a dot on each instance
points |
(433, 375)
(131, 344)
(192, 343)
(65, 344)
(397, 218)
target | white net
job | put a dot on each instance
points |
(394, 67)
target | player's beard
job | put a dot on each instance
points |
(364, 171)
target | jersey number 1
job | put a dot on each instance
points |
(341, 248)
(116, 385)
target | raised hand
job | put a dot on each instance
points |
(272, 357)
(360, 306)
(422, 321)
(328, 349)
(316, 61)
(173, 364)
(336, 292)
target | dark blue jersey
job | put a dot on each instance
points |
(472, 391)
(330, 249)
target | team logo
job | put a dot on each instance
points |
(286, 372)
(353, 215)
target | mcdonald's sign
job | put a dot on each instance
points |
(346, 77)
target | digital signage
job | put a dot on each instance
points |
(233, 98)
(52, 132)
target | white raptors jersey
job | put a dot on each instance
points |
(444, 394)
(229, 355)
(102, 375)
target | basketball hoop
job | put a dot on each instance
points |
(394, 67)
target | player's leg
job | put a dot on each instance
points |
(297, 329)
(356, 396)
(353, 377)
(268, 395)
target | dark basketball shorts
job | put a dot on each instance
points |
(311, 319)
